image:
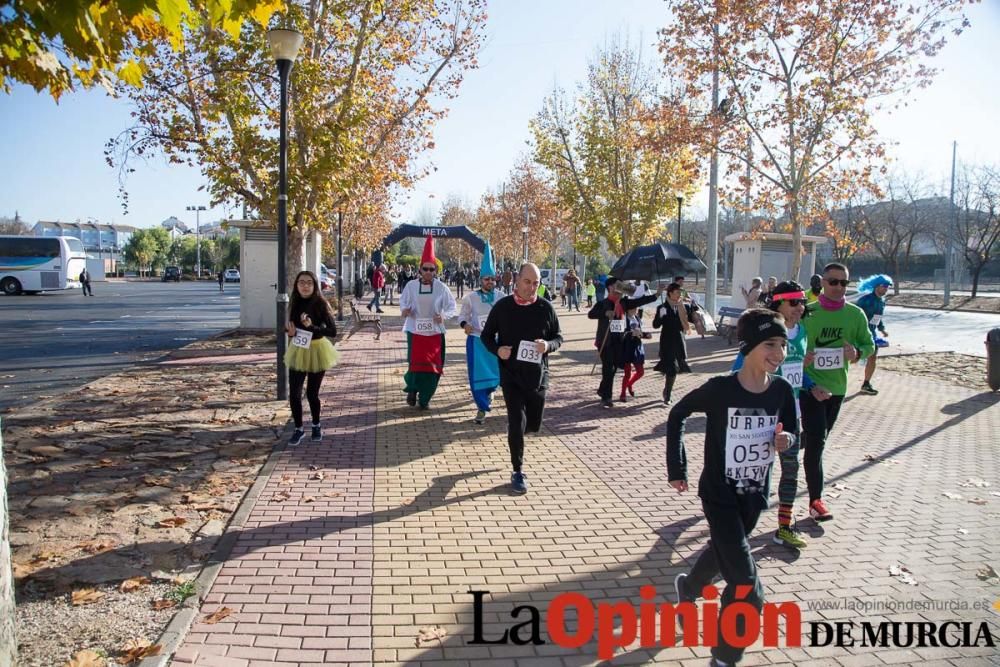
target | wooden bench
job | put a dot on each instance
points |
(360, 320)
(725, 323)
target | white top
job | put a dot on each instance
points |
(442, 303)
(474, 312)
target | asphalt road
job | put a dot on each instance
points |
(56, 342)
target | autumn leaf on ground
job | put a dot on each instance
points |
(281, 496)
(314, 467)
(986, 573)
(217, 615)
(406, 501)
(428, 635)
(978, 501)
(137, 649)
(287, 480)
(96, 546)
(973, 481)
(105, 463)
(172, 522)
(318, 475)
(86, 596)
(952, 496)
(152, 480)
(43, 556)
(163, 603)
(86, 658)
(333, 494)
(308, 499)
(133, 584)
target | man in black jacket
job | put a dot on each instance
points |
(522, 330)
(610, 329)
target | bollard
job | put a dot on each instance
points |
(993, 359)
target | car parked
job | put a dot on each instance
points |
(231, 276)
(171, 273)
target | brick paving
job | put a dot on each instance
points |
(414, 511)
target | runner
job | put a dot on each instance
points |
(311, 327)
(610, 316)
(425, 303)
(672, 317)
(838, 336)
(633, 352)
(815, 287)
(874, 289)
(522, 330)
(789, 302)
(746, 417)
(484, 373)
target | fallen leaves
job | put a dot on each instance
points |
(86, 596)
(287, 480)
(429, 635)
(903, 573)
(986, 573)
(86, 658)
(978, 501)
(96, 546)
(973, 481)
(138, 649)
(217, 615)
(952, 496)
(153, 480)
(281, 496)
(133, 584)
(172, 522)
(318, 476)
(308, 499)
(163, 603)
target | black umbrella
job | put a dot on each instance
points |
(657, 262)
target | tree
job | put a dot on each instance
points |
(52, 44)
(364, 94)
(977, 225)
(616, 173)
(804, 79)
(147, 248)
(14, 226)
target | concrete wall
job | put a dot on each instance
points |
(259, 274)
(8, 642)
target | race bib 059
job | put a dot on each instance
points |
(302, 338)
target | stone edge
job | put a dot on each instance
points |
(173, 635)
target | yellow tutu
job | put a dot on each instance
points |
(319, 356)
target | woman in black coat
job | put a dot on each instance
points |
(672, 317)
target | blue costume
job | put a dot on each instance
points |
(484, 369)
(874, 305)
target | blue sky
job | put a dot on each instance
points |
(55, 167)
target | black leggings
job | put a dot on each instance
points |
(818, 418)
(295, 381)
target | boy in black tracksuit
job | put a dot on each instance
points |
(746, 415)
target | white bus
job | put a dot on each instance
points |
(37, 264)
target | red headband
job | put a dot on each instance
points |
(787, 296)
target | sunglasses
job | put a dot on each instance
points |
(424, 268)
(835, 281)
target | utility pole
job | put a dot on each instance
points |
(711, 279)
(949, 229)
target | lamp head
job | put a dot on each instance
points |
(284, 43)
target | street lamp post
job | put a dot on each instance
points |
(284, 47)
(340, 266)
(197, 239)
(524, 233)
(680, 202)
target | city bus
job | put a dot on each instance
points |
(38, 264)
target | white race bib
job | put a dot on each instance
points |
(482, 321)
(617, 326)
(749, 446)
(829, 358)
(527, 351)
(875, 320)
(302, 338)
(792, 371)
(425, 326)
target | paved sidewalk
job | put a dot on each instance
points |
(413, 511)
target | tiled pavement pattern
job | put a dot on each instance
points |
(423, 515)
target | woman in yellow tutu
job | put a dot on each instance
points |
(310, 352)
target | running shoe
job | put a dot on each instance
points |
(411, 398)
(317, 433)
(881, 342)
(631, 392)
(867, 388)
(518, 483)
(681, 596)
(480, 416)
(818, 511)
(621, 399)
(607, 404)
(296, 438)
(790, 538)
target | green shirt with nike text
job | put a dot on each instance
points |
(828, 331)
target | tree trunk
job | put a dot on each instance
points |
(8, 642)
(295, 255)
(895, 275)
(793, 215)
(975, 279)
